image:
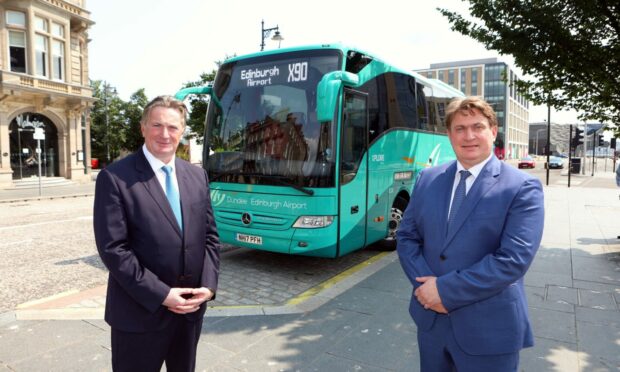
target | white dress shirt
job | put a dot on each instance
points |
(475, 171)
(156, 164)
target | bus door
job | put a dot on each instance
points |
(353, 171)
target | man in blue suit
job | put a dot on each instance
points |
(468, 236)
(155, 232)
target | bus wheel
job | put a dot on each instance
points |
(396, 216)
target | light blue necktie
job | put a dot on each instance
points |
(459, 196)
(173, 195)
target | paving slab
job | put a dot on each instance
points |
(549, 355)
(564, 295)
(596, 269)
(374, 342)
(598, 317)
(537, 298)
(599, 347)
(553, 325)
(329, 362)
(597, 300)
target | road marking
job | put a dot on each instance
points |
(333, 281)
(17, 242)
(81, 218)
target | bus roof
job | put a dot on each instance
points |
(438, 85)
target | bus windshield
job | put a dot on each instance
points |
(262, 126)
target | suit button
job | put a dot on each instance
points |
(442, 257)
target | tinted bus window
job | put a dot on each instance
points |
(401, 101)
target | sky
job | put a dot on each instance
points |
(161, 44)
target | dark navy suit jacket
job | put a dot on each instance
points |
(481, 259)
(142, 245)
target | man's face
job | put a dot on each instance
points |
(162, 132)
(472, 137)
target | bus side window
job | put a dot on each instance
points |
(377, 121)
(356, 61)
(354, 136)
(441, 114)
(422, 107)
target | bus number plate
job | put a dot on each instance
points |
(252, 239)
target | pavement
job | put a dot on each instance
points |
(358, 320)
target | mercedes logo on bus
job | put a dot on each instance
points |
(246, 218)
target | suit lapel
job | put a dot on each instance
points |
(184, 192)
(153, 187)
(445, 194)
(483, 183)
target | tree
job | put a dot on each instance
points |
(199, 104)
(132, 112)
(570, 48)
(106, 136)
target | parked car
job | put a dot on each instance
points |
(556, 162)
(527, 162)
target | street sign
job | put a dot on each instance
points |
(38, 134)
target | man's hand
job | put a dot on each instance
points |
(428, 295)
(194, 297)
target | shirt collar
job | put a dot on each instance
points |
(155, 163)
(476, 169)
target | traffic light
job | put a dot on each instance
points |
(601, 141)
(578, 138)
(612, 143)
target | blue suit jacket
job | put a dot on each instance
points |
(142, 245)
(481, 259)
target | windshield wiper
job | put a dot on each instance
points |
(286, 182)
(278, 179)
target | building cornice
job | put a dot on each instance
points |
(77, 13)
(11, 82)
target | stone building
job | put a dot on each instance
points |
(44, 89)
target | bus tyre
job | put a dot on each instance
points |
(396, 216)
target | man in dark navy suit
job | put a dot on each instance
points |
(468, 236)
(156, 234)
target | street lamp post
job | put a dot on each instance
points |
(265, 32)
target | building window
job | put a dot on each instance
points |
(440, 75)
(17, 40)
(40, 24)
(14, 18)
(451, 77)
(463, 81)
(17, 51)
(41, 55)
(58, 30)
(58, 59)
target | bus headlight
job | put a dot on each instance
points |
(313, 222)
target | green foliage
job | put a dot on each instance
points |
(570, 48)
(133, 113)
(107, 123)
(198, 104)
(122, 133)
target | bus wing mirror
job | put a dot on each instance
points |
(206, 90)
(183, 93)
(328, 90)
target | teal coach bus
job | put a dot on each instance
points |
(314, 150)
